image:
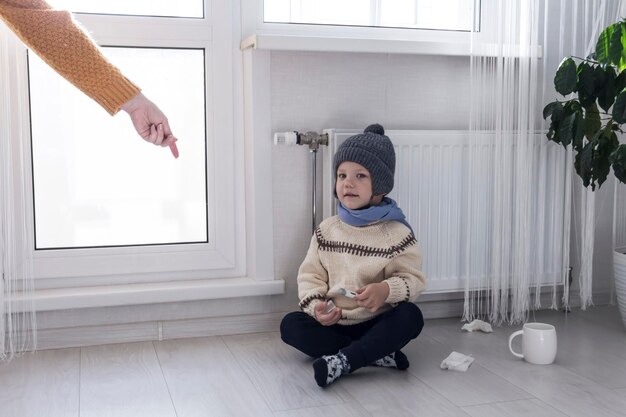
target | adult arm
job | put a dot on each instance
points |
(68, 49)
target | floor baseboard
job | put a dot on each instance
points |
(434, 306)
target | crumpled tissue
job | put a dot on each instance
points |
(457, 362)
(477, 325)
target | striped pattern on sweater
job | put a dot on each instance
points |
(361, 250)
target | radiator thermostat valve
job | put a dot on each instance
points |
(312, 139)
(286, 138)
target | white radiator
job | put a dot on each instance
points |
(431, 188)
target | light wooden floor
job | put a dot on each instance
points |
(257, 375)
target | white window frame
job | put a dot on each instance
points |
(238, 259)
(333, 38)
(279, 36)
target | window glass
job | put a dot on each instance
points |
(178, 8)
(96, 183)
(416, 14)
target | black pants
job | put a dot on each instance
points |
(362, 343)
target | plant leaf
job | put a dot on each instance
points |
(618, 159)
(579, 131)
(577, 162)
(567, 129)
(586, 80)
(619, 108)
(604, 147)
(551, 108)
(606, 93)
(572, 106)
(557, 113)
(620, 81)
(615, 44)
(599, 75)
(565, 78)
(592, 121)
(619, 44)
(586, 84)
(603, 45)
(585, 164)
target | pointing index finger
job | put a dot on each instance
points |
(174, 149)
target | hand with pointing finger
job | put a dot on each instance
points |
(150, 122)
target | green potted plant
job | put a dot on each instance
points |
(590, 121)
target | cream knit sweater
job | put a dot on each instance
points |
(57, 39)
(344, 256)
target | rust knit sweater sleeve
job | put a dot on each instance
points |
(65, 47)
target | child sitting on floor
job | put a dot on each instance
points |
(362, 271)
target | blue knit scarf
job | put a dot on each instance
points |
(387, 210)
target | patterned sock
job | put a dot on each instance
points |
(393, 360)
(328, 368)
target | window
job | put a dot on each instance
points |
(179, 8)
(118, 221)
(428, 27)
(414, 14)
(89, 188)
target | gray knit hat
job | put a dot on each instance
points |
(375, 152)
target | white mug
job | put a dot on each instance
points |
(538, 343)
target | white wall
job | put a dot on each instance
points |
(314, 91)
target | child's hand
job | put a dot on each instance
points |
(372, 296)
(327, 319)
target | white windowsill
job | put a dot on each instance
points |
(273, 42)
(133, 294)
(350, 44)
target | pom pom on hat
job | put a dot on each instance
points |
(375, 152)
(375, 128)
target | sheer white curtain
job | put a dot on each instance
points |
(17, 315)
(593, 16)
(517, 241)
